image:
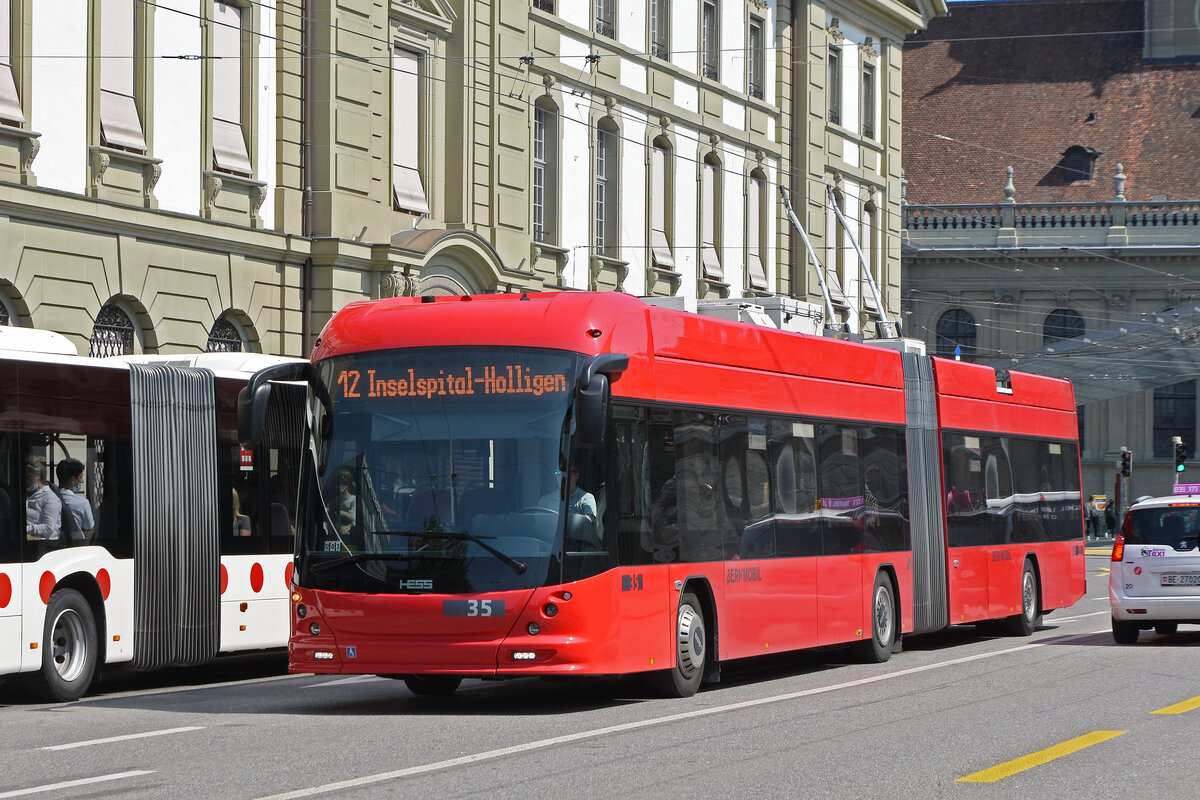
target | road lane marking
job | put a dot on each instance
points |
(367, 780)
(107, 740)
(1098, 551)
(1010, 768)
(343, 681)
(1078, 616)
(1180, 708)
(53, 787)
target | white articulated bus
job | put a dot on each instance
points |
(190, 546)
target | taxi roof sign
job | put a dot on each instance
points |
(1186, 488)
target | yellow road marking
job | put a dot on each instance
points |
(1009, 768)
(1103, 572)
(1098, 551)
(1180, 708)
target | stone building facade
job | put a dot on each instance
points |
(223, 174)
(1052, 214)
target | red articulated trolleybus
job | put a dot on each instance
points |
(587, 484)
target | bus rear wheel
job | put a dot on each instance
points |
(883, 622)
(691, 646)
(1025, 623)
(69, 647)
(432, 685)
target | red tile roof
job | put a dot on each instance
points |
(1017, 83)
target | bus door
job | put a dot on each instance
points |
(842, 504)
(973, 512)
(12, 533)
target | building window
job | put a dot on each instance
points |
(710, 40)
(1076, 164)
(1175, 415)
(956, 331)
(661, 196)
(1061, 323)
(229, 62)
(710, 219)
(224, 337)
(605, 24)
(607, 188)
(660, 28)
(544, 5)
(756, 232)
(755, 61)
(120, 124)
(833, 89)
(112, 335)
(870, 250)
(10, 101)
(545, 166)
(868, 101)
(408, 192)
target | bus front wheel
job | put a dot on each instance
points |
(69, 646)
(691, 646)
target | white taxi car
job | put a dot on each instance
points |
(1155, 579)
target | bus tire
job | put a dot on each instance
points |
(69, 647)
(691, 647)
(1124, 631)
(1030, 618)
(432, 685)
(883, 622)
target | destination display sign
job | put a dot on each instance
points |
(483, 380)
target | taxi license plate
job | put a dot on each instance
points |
(1181, 580)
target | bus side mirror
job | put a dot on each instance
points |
(252, 413)
(591, 405)
(591, 410)
(255, 396)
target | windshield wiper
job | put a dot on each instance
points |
(358, 558)
(517, 566)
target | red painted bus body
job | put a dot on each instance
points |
(766, 582)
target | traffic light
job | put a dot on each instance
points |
(1126, 463)
(1180, 455)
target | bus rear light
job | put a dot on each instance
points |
(243, 606)
(531, 656)
(323, 655)
(566, 595)
(302, 611)
(534, 629)
(1118, 552)
(550, 609)
(314, 629)
(297, 597)
(524, 655)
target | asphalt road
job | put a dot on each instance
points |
(963, 713)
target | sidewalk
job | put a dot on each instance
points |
(1099, 546)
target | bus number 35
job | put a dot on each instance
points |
(473, 608)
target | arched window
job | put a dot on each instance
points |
(1061, 323)
(661, 201)
(956, 329)
(756, 231)
(112, 335)
(608, 200)
(224, 337)
(545, 171)
(710, 218)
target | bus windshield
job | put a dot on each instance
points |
(442, 471)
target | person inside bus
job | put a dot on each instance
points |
(345, 502)
(43, 509)
(70, 481)
(581, 512)
(241, 522)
